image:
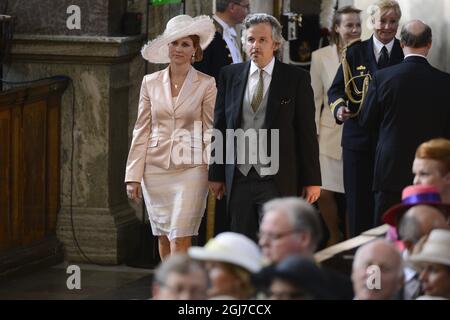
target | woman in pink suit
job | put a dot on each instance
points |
(324, 65)
(165, 164)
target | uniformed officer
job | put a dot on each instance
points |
(362, 59)
(225, 48)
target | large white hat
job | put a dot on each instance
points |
(181, 26)
(436, 248)
(230, 247)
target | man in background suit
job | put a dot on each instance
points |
(224, 49)
(358, 144)
(265, 94)
(408, 103)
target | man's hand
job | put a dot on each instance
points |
(134, 191)
(218, 189)
(343, 114)
(311, 193)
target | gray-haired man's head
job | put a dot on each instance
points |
(180, 278)
(232, 12)
(289, 226)
(416, 34)
(262, 37)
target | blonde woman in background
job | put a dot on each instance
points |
(324, 64)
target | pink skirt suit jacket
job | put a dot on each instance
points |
(167, 151)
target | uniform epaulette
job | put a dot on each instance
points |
(353, 93)
(351, 43)
(219, 28)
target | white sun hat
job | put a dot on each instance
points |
(157, 50)
(436, 248)
(230, 247)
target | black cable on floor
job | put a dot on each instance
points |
(71, 180)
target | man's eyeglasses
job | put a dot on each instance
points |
(271, 236)
(247, 6)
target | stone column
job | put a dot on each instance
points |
(105, 68)
(94, 131)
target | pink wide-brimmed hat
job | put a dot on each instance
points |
(413, 196)
(157, 50)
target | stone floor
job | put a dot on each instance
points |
(97, 283)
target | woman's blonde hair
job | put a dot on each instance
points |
(384, 6)
(246, 288)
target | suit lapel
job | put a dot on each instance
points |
(188, 88)
(238, 93)
(273, 101)
(167, 91)
(334, 60)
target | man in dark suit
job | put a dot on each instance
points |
(408, 103)
(258, 97)
(224, 49)
(358, 144)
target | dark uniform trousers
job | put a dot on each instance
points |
(358, 177)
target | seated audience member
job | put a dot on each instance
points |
(294, 278)
(180, 278)
(384, 256)
(433, 262)
(420, 212)
(417, 222)
(432, 166)
(289, 226)
(412, 196)
(230, 259)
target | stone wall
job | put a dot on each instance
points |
(98, 17)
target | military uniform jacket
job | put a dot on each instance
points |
(215, 56)
(361, 60)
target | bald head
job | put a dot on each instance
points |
(416, 37)
(428, 218)
(386, 257)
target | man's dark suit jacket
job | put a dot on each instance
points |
(360, 58)
(290, 109)
(215, 56)
(410, 104)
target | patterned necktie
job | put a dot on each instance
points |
(383, 61)
(259, 91)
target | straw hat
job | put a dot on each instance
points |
(157, 51)
(436, 248)
(413, 196)
(232, 248)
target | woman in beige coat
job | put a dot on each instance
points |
(166, 164)
(324, 65)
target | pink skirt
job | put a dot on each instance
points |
(175, 200)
